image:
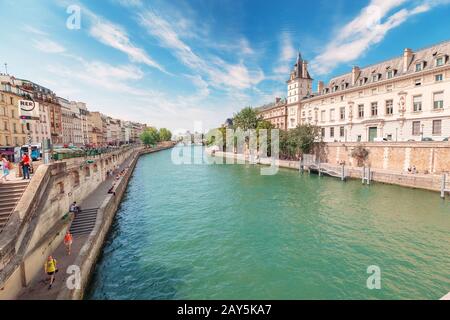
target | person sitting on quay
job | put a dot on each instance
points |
(50, 269)
(74, 208)
(111, 190)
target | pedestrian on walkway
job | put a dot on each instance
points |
(68, 241)
(26, 166)
(6, 165)
(50, 269)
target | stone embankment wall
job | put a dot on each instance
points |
(91, 250)
(389, 162)
(37, 225)
(428, 157)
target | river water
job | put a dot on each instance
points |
(228, 232)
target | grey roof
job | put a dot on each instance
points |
(426, 55)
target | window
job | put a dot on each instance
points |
(323, 132)
(362, 81)
(342, 113)
(375, 77)
(361, 111)
(322, 115)
(342, 98)
(439, 61)
(417, 103)
(341, 131)
(418, 82)
(2, 97)
(437, 125)
(374, 109)
(389, 107)
(416, 128)
(374, 91)
(438, 77)
(14, 128)
(389, 88)
(389, 137)
(438, 100)
(5, 125)
(12, 114)
(358, 138)
(418, 67)
(11, 100)
(332, 115)
(390, 74)
(331, 132)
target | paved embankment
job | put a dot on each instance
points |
(86, 247)
(419, 181)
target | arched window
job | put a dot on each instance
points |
(75, 178)
(95, 168)
(87, 171)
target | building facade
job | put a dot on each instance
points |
(12, 129)
(406, 98)
(96, 129)
(276, 113)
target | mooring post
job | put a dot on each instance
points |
(320, 172)
(301, 168)
(443, 186)
(369, 173)
(363, 174)
(343, 172)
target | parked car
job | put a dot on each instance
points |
(445, 139)
(427, 139)
(380, 139)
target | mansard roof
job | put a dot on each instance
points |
(426, 55)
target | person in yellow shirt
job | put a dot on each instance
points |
(50, 269)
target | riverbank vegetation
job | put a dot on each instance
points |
(304, 138)
(151, 136)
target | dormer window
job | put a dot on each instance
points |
(440, 61)
(375, 77)
(419, 66)
(362, 81)
(390, 74)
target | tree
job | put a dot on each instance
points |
(360, 154)
(247, 118)
(165, 134)
(150, 137)
(300, 140)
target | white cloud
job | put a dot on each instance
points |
(368, 28)
(114, 36)
(287, 55)
(220, 73)
(48, 46)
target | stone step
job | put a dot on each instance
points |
(83, 222)
(82, 230)
(8, 202)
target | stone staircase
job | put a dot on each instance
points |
(84, 222)
(10, 194)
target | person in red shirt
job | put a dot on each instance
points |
(26, 166)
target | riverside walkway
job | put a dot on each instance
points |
(38, 288)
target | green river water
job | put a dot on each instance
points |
(227, 232)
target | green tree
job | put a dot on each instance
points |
(165, 134)
(304, 136)
(150, 137)
(247, 118)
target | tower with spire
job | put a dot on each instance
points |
(299, 86)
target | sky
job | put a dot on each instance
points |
(186, 65)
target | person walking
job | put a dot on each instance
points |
(26, 166)
(6, 165)
(50, 269)
(68, 239)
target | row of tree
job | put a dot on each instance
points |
(293, 143)
(151, 136)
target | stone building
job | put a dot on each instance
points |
(12, 129)
(275, 113)
(406, 98)
(96, 129)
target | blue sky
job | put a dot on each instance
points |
(174, 63)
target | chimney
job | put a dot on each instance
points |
(355, 74)
(304, 69)
(319, 87)
(407, 58)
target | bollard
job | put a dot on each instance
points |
(343, 172)
(443, 186)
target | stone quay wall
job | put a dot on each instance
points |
(37, 225)
(91, 250)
